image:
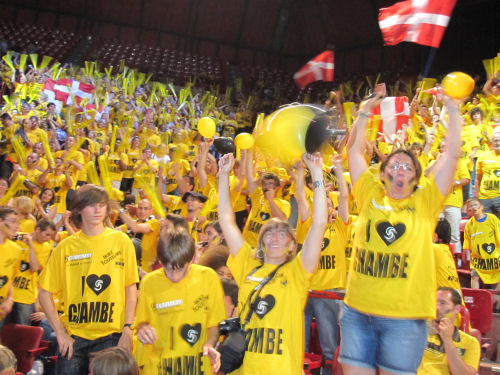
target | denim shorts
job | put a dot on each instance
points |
(369, 341)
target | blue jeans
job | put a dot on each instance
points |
(79, 362)
(327, 313)
(369, 341)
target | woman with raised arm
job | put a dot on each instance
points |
(274, 331)
(391, 286)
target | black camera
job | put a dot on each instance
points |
(229, 325)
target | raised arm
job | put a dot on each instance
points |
(250, 172)
(343, 208)
(312, 245)
(227, 221)
(447, 163)
(356, 144)
(300, 187)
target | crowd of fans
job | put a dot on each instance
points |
(165, 202)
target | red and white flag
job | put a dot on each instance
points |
(59, 91)
(394, 112)
(417, 21)
(318, 69)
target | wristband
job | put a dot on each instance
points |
(318, 183)
(127, 325)
(364, 114)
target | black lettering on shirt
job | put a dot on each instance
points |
(264, 340)
(91, 312)
(381, 265)
(184, 365)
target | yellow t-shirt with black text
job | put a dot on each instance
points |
(392, 246)
(26, 282)
(275, 334)
(180, 313)
(435, 361)
(10, 263)
(92, 272)
(482, 238)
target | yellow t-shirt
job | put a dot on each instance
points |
(10, 263)
(434, 360)
(146, 172)
(483, 240)
(180, 313)
(168, 172)
(456, 197)
(488, 165)
(113, 160)
(58, 183)
(92, 272)
(176, 205)
(275, 334)
(149, 243)
(259, 214)
(392, 247)
(446, 271)
(26, 282)
(133, 156)
(331, 272)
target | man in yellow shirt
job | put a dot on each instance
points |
(265, 203)
(482, 238)
(449, 350)
(26, 281)
(144, 232)
(95, 272)
(488, 176)
(179, 309)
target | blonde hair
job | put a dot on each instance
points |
(7, 359)
(271, 224)
(24, 205)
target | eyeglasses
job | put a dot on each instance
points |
(404, 166)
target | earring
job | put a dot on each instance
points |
(260, 253)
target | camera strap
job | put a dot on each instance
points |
(257, 289)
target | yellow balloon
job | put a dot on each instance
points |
(281, 137)
(206, 127)
(458, 85)
(244, 141)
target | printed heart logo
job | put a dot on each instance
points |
(264, 216)
(325, 243)
(98, 283)
(496, 172)
(488, 247)
(390, 233)
(24, 266)
(3, 281)
(191, 333)
(264, 305)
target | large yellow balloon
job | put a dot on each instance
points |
(458, 85)
(206, 127)
(281, 137)
(244, 141)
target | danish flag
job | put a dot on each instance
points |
(318, 69)
(394, 112)
(59, 91)
(417, 21)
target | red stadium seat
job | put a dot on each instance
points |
(24, 341)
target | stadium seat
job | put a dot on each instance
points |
(24, 341)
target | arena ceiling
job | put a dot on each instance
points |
(282, 33)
